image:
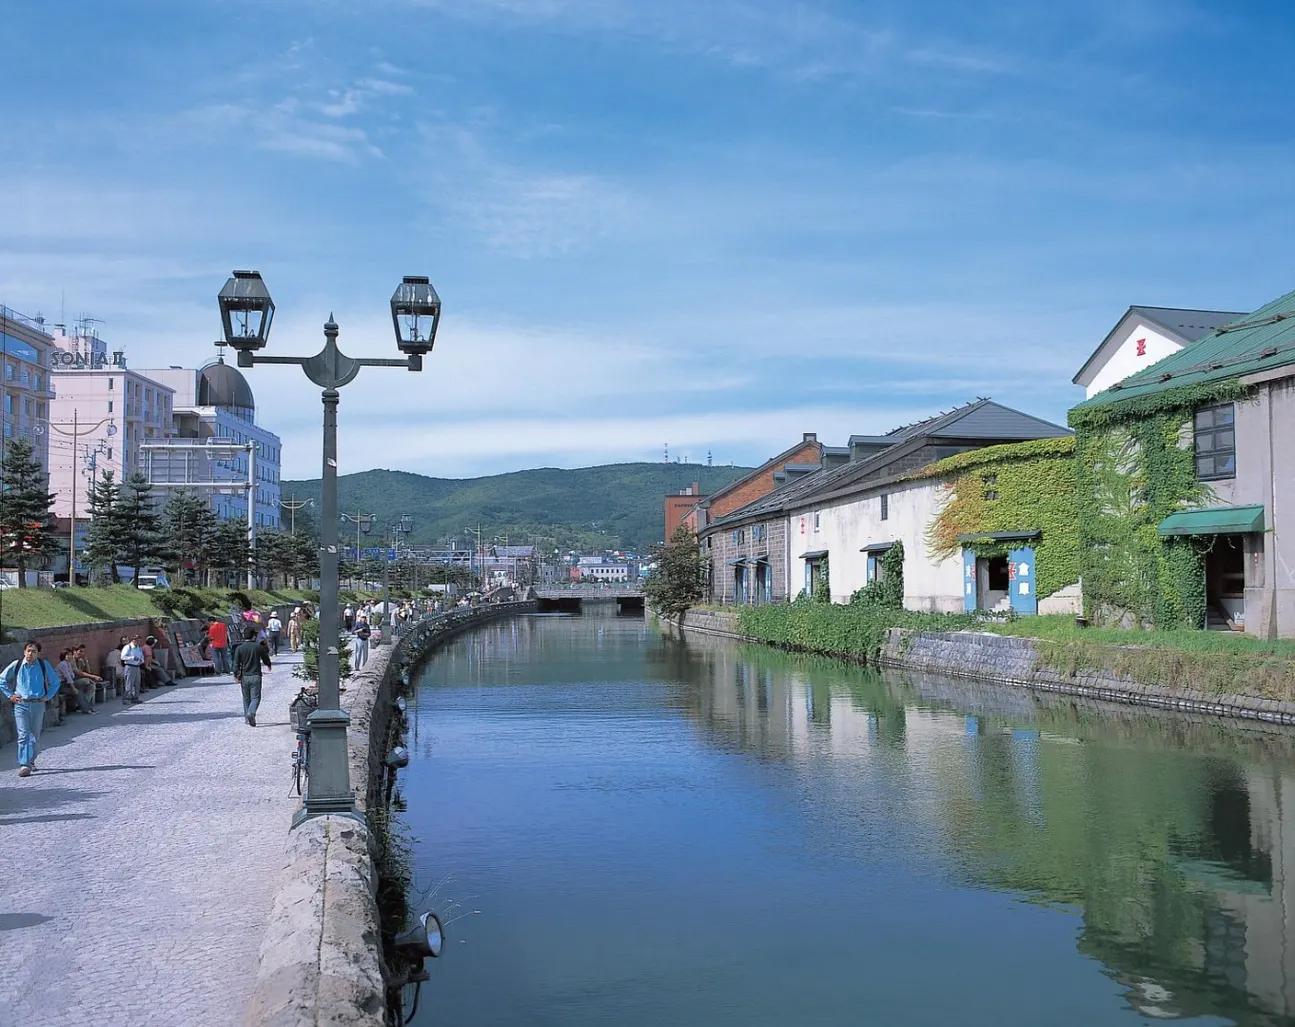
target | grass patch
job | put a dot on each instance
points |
(1060, 628)
(54, 607)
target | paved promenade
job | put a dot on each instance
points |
(139, 860)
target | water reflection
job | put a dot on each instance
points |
(1166, 832)
(586, 773)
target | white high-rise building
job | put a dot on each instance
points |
(100, 415)
(215, 402)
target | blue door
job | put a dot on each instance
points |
(1020, 578)
(968, 579)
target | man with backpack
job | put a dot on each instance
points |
(274, 628)
(28, 684)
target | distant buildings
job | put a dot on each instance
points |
(109, 409)
(85, 412)
(215, 403)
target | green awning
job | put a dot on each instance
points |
(1221, 520)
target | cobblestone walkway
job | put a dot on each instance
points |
(139, 861)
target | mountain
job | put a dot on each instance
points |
(613, 506)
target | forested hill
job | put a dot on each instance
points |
(610, 506)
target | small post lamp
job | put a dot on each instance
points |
(246, 312)
(415, 314)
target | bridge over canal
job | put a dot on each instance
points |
(571, 598)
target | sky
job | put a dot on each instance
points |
(712, 224)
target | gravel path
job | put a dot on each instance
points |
(139, 860)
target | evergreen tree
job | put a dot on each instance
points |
(26, 531)
(679, 580)
(191, 531)
(143, 540)
(104, 541)
(229, 549)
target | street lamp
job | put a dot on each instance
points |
(363, 525)
(246, 312)
(388, 621)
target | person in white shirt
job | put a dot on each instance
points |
(275, 629)
(132, 661)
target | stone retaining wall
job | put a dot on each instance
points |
(321, 960)
(1007, 659)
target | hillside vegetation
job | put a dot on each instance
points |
(610, 506)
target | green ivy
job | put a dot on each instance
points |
(1035, 487)
(887, 591)
(1135, 467)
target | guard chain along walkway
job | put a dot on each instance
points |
(139, 861)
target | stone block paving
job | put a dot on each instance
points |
(139, 861)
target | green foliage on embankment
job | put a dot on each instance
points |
(1221, 663)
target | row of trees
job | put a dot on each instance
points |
(130, 528)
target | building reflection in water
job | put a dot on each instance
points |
(1166, 833)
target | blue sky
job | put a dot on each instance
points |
(715, 223)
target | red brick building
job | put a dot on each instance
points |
(805, 455)
(677, 506)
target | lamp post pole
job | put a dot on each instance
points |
(246, 312)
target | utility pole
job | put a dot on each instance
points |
(363, 523)
(75, 435)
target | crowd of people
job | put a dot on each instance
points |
(242, 645)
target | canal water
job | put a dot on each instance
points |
(636, 829)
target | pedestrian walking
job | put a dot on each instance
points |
(132, 663)
(29, 684)
(348, 617)
(360, 643)
(218, 633)
(294, 629)
(274, 627)
(248, 659)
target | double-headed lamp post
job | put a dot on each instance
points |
(246, 312)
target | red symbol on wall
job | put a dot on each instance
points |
(1011, 571)
(1142, 347)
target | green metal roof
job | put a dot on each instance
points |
(1221, 520)
(1255, 342)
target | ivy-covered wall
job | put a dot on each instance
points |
(1015, 487)
(1134, 468)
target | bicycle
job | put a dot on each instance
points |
(300, 710)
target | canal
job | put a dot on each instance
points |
(694, 832)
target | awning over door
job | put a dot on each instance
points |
(878, 547)
(817, 554)
(1221, 520)
(1003, 536)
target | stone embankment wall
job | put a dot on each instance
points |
(1007, 659)
(321, 960)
